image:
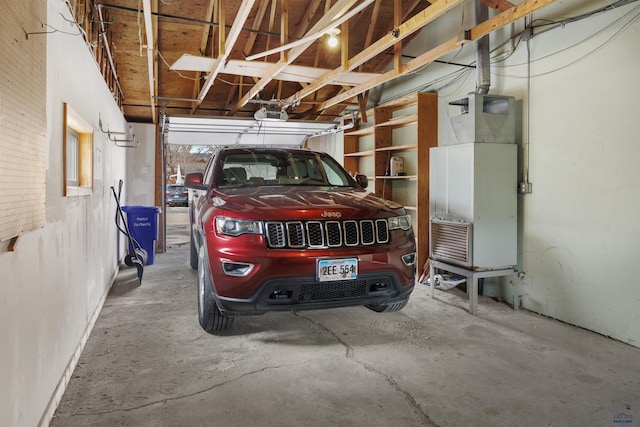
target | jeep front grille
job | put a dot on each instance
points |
(323, 234)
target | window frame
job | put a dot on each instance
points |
(74, 124)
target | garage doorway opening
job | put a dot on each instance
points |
(188, 142)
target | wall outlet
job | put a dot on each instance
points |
(525, 188)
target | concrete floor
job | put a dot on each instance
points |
(148, 363)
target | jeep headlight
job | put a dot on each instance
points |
(236, 227)
(399, 222)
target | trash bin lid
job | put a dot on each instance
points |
(141, 209)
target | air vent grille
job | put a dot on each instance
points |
(451, 242)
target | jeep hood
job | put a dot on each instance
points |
(304, 203)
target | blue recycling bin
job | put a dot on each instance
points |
(143, 226)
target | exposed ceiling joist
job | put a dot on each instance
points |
(406, 29)
(306, 21)
(203, 44)
(397, 21)
(499, 5)
(339, 9)
(231, 38)
(284, 28)
(506, 17)
(372, 25)
(151, 53)
(322, 80)
(248, 48)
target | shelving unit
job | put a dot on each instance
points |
(407, 125)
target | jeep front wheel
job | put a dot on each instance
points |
(209, 315)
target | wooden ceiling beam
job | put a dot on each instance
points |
(319, 51)
(204, 41)
(257, 22)
(284, 28)
(486, 27)
(340, 8)
(412, 25)
(248, 48)
(152, 65)
(372, 26)
(499, 5)
(344, 46)
(397, 21)
(230, 40)
(272, 20)
(303, 25)
(222, 30)
(156, 71)
(374, 17)
(363, 98)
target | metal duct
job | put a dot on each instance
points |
(483, 81)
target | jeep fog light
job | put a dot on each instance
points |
(236, 227)
(409, 259)
(239, 269)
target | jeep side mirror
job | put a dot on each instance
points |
(194, 180)
(361, 180)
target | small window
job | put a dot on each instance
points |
(72, 157)
(78, 154)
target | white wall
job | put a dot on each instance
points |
(54, 284)
(141, 163)
(579, 234)
(579, 231)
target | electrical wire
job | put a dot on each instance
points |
(464, 72)
(176, 71)
(631, 20)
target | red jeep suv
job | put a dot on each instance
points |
(290, 229)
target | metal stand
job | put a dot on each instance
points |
(472, 281)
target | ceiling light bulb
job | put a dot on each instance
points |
(333, 40)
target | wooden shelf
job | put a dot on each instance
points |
(400, 103)
(400, 178)
(400, 121)
(360, 153)
(405, 147)
(361, 132)
(371, 155)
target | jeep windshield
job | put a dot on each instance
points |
(269, 167)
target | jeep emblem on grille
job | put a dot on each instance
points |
(328, 214)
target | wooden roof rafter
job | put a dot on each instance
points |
(248, 48)
(225, 47)
(499, 5)
(151, 34)
(340, 8)
(204, 42)
(510, 15)
(436, 9)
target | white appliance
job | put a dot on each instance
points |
(473, 187)
(473, 192)
(397, 166)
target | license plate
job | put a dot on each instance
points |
(337, 269)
